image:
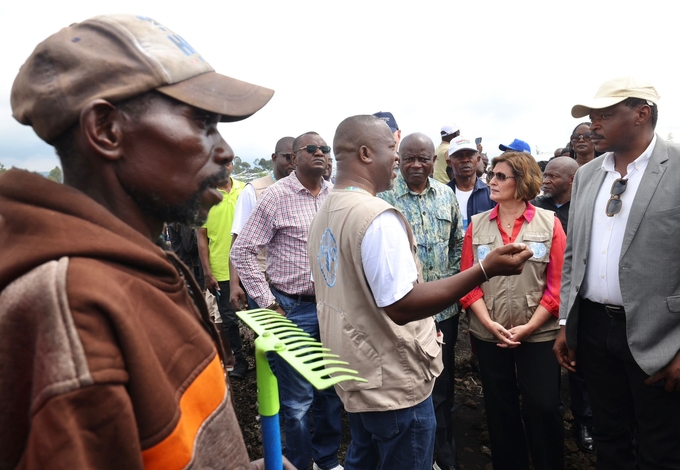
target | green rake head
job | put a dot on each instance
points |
(306, 355)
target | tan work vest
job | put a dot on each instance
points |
(399, 362)
(512, 300)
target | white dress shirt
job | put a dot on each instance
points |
(601, 282)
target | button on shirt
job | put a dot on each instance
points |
(434, 217)
(280, 222)
(601, 282)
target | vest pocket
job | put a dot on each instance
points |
(533, 301)
(430, 348)
(362, 357)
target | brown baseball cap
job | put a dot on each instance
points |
(116, 57)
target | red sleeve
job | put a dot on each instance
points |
(467, 259)
(551, 295)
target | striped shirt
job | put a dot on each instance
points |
(280, 222)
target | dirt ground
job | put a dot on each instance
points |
(472, 439)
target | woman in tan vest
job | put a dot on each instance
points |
(513, 320)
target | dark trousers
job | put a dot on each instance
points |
(578, 397)
(443, 395)
(625, 410)
(230, 324)
(536, 426)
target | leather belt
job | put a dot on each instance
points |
(612, 310)
(299, 298)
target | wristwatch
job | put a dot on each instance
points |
(274, 306)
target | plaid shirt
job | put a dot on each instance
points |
(437, 226)
(280, 222)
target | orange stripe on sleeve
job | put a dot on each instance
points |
(199, 401)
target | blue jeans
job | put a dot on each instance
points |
(298, 396)
(392, 440)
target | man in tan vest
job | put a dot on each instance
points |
(283, 166)
(372, 309)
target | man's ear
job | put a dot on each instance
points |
(100, 124)
(644, 113)
(365, 154)
(293, 159)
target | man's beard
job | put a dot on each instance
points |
(187, 212)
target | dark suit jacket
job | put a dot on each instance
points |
(649, 266)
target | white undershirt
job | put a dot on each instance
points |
(388, 261)
(245, 204)
(601, 282)
(463, 197)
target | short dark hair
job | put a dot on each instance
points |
(296, 142)
(527, 173)
(637, 102)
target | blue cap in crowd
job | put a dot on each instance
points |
(516, 146)
(389, 120)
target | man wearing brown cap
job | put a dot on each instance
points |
(620, 299)
(108, 358)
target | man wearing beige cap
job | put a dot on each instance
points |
(620, 299)
(108, 358)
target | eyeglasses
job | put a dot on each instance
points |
(287, 156)
(614, 204)
(577, 137)
(499, 176)
(313, 148)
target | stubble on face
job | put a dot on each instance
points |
(187, 212)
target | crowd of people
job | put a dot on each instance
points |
(110, 358)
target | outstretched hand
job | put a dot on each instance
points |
(507, 260)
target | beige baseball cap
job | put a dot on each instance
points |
(614, 91)
(116, 57)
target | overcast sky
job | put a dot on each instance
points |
(498, 69)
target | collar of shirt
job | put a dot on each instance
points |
(295, 184)
(401, 189)
(479, 184)
(528, 213)
(639, 164)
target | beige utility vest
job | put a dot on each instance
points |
(399, 362)
(512, 300)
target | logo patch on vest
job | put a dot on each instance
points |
(328, 257)
(538, 249)
(482, 251)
